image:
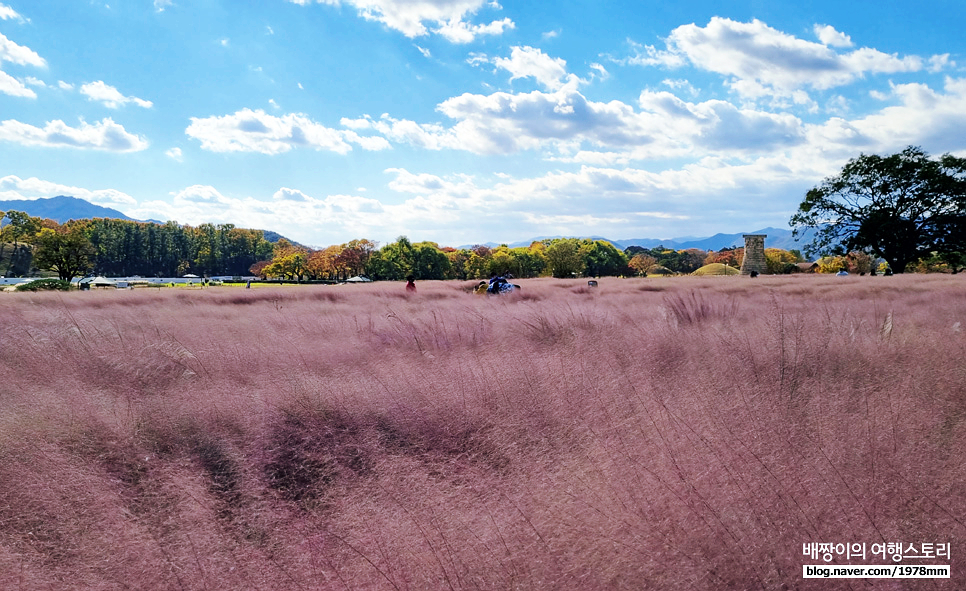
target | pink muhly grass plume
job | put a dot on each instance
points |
(659, 433)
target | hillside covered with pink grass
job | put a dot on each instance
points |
(648, 434)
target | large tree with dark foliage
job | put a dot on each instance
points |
(900, 207)
(64, 250)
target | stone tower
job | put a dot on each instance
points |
(754, 254)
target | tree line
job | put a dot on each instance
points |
(557, 257)
(124, 248)
(560, 257)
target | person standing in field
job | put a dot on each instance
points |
(410, 285)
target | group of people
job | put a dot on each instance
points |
(496, 285)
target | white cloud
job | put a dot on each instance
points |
(344, 217)
(680, 84)
(160, 5)
(104, 135)
(64, 85)
(200, 194)
(418, 18)
(648, 55)
(614, 202)
(175, 154)
(457, 31)
(920, 116)
(13, 187)
(426, 53)
(938, 63)
(13, 87)
(829, 36)
(257, 131)
(761, 61)
(529, 62)
(599, 71)
(18, 54)
(7, 13)
(756, 54)
(286, 194)
(110, 96)
(566, 125)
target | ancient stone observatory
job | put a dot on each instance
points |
(754, 254)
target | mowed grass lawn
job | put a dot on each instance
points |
(685, 433)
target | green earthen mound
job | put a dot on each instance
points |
(716, 269)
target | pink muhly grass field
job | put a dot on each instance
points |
(647, 434)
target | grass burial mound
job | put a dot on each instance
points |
(691, 434)
(716, 269)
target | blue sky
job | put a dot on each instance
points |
(465, 121)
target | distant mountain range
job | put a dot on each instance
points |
(63, 208)
(776, 238)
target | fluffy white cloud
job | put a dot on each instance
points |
(829, 36)
(13, 87)
(175, 154)
(418, 18)
(919, 116)
(621, 203)
(104, 135)
(567, 124)
(13, 187)
(110, 96)
(529, 62)
(18, 54)
(257, 131)
(762, 61)
(160, 5)
(343, 217)
(457, 31)
(286, 194)
(200, 194)
(7, 13)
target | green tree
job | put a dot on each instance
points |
(66, 251)
(900, 207)
(393, 261)
(21, 226)
(565, 257)
(604, 259)
(458, 263)
(429, 262)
